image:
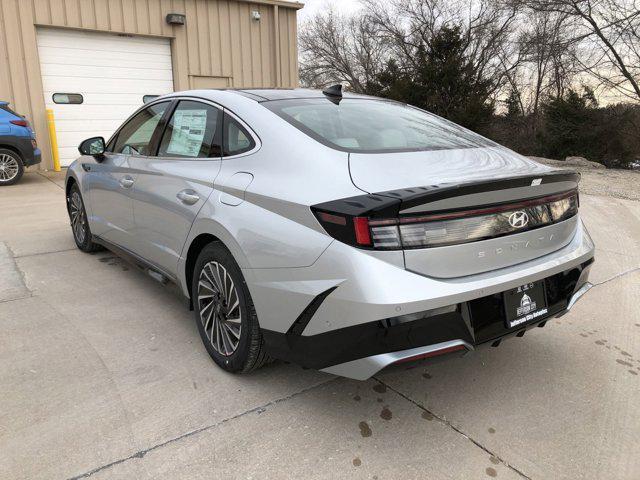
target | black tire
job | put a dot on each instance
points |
(249, 353)
(9, 161)
(79, 223)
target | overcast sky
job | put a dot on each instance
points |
(313, 6)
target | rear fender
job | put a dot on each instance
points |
(208, 226)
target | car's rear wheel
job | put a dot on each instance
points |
(79, 222)
(11, 167)
(225, 314)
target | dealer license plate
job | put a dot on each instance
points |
(525, 304)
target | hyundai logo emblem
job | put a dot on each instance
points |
(518, 219)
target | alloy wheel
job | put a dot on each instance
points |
(8, 167)
(220, 311)
(78, 218)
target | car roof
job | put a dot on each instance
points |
(242, 101)
(231, 96)
(269, 94)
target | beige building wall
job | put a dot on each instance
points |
(220, 45)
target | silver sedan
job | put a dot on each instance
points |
(341, 232)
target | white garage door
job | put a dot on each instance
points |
(112, 74)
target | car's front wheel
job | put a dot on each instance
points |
(79, 222)
(224, 312)
(11, 167)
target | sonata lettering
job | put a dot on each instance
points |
(516, 246)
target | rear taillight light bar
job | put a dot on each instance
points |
(449, 228)
(20, 123)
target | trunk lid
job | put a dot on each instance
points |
(436, 182)
(394, 171)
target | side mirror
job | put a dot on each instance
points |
(93, 146)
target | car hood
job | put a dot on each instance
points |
(393, 171)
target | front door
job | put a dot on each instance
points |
(172, 187)
(111, 180)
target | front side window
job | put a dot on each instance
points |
(374, 126)
(237, 139)
(134, 138)
(193, 132)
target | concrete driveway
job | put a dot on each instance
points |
(103, 375)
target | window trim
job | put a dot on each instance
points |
(173, 103)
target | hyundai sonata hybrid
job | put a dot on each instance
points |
(337, 231)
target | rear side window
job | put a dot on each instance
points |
(374, 126)
(134, 138)
(236, 138)
(193, 132)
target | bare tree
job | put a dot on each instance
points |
(338, 49)
(356, 49)
(609, 30)
(408, 25)
(536, 48)
(547, 63)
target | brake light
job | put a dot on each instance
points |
(449, 228)
(352, 230)
(363, 236)
(20, 123)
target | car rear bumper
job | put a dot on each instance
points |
(22, 143)
(362, 350)
(364, 368)
(351, 330)
(34, 157)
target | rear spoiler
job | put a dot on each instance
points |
(429, 198)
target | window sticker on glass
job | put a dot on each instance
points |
(188, 132)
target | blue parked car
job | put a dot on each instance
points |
(18, 147)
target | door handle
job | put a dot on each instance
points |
(126, 182)
(188, 197)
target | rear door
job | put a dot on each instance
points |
(173, 185)
(110, 181)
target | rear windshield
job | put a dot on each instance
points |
(374, 126)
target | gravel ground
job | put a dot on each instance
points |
(623, 184)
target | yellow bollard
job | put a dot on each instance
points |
(53, 137)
